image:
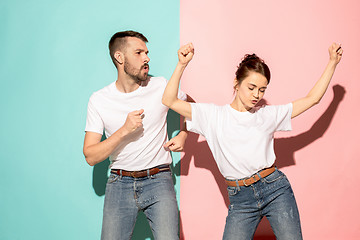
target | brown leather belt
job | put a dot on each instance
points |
(251, 180)
(142, 173)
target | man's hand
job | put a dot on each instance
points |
(186, 53)
(133, 121)
(176, 144)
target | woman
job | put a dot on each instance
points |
(240, 137)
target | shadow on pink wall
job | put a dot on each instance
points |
(284, 149)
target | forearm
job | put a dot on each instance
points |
(171, 90)
(183, 129)
(316, 93)
(97, 152)
(319, 89)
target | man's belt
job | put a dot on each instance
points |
(142, 173)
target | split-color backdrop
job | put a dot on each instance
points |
(54, 54)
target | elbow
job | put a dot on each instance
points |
(314, 100)
(88, 159)
(90, 162)
(163, 101)
(166, 102)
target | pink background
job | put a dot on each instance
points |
(321, 155)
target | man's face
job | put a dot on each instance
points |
(136, 59)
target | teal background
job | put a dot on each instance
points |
(53, 55)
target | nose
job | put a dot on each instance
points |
(146, 59)
(256, 94)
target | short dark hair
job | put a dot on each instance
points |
(252, 63)
(118, 41)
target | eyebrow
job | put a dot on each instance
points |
(254, 85)
(142, 50)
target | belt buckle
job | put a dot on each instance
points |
(245, 182)
(246, 185)
(132, 174)
(254, 177)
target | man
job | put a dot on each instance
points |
(130, 112)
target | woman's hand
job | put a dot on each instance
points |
(335, 52)
(186, 53)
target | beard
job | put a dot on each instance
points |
(134, 73)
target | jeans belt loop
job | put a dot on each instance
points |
(258, 174)
(120, 174)
(148, 173)
(237, 185)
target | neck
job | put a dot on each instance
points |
(237, 105)
(126, 84)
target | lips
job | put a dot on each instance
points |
(145, 67)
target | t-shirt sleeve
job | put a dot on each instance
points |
(94, 122)
(283, 117)
(182, 95)
(200, 118)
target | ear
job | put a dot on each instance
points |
(236, 84)
(119, 56)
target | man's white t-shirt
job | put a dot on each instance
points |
(241, 142)
(107, 111)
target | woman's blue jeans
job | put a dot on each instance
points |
(272, 197)
(126, 196)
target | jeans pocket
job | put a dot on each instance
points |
(112, 178)
(232, 191)
(277, 175)
(162, 175)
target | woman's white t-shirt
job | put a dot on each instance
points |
(241, 142)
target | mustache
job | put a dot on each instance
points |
(145, 65)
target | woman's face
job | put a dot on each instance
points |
(251, 90)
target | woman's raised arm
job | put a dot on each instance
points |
(170, 98)
(319, 89)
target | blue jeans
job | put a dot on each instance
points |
(126, 196)
(272, 197)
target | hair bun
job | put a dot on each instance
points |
(249, 57)
(251, 62)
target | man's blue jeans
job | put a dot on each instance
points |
(126, 196)
(272, 197)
